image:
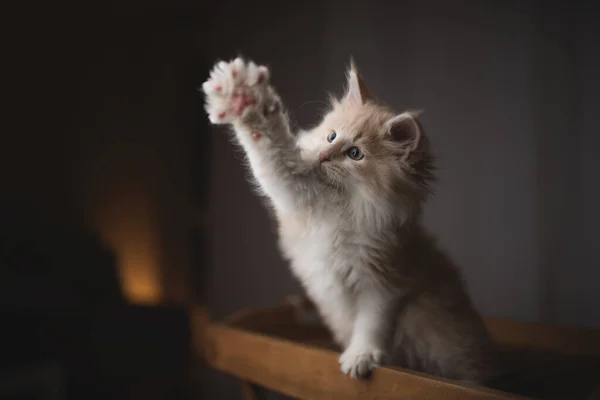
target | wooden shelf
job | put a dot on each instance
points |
(277, 349)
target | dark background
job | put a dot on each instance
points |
(112, 178)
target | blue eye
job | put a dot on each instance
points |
(355, 153)
(331, 136)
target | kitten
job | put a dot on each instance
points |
(348, 196)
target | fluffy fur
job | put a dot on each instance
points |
(351, 226)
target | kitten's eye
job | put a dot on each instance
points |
(355, 153)
(331, 136)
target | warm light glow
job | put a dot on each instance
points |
(132, 234)
(123, 209)
(140, 282)
(140, 276)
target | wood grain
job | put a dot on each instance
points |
(308, 372)
(281, 349)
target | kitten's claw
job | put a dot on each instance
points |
(358, 363)
(235, 89)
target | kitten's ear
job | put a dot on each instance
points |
(405, 129)
(357, 91)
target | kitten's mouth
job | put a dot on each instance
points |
(332, 174)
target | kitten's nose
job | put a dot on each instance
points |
(323, 157)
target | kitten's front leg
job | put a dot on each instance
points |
(372, 333)
(238, 93)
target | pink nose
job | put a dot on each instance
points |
(323, 157)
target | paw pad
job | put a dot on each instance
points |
(235, 88)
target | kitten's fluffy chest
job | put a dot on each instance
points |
(321, 246)
(331, 258)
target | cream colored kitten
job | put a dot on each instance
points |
(348, 196)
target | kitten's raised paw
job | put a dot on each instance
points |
(234, 89)
(358, 363)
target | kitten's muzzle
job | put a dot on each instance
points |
(323, 156)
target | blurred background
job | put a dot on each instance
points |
(121, 209)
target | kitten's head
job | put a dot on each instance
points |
(362, 145)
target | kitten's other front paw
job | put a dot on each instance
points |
(236, 89)
(359, 362)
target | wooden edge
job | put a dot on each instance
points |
(565, 339)
(570, 340)
(307, 372)
(256, 318)
(248, 392)
(299, 300)
(199, 321)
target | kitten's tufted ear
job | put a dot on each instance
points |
(357, 91)
(405, 129)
